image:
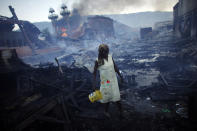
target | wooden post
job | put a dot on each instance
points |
(22, 29)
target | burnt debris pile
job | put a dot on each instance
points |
(46, 86)
(34, 95)
(158, 91)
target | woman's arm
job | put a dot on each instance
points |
(117, 71)
(94, 73)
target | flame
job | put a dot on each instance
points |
(64, 34)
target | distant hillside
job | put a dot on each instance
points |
(124, 31)
(142, 19)
(134, 20)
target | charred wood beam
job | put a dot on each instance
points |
(18, 85)
(83, 95)
(59, 66)
(66, 115)
(65, 111)
(84, 91)
(72, 81)
(89, 116)
(40, 83)
(72, 93)
(30, 85)
(82, 85)
(50, 119)
(35, 104)
(69, 90)
(57, 82)
(52, 103)
(36, 115)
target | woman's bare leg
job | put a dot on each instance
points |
(106, 107)
(106, 110)
(119, 108)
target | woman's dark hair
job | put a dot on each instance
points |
(103, 54)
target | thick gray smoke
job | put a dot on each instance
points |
(88, 7)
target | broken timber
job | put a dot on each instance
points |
(60, 98)
(21, 28)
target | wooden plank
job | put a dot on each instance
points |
(65, 111)
(71, 94)
(34, 117)
(50, 119)
(66, 115)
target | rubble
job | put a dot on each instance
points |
(158, 93)
(144, 32)
(73, 26)
(45, 96)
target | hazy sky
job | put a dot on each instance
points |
(37, 10)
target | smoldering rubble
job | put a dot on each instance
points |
(155, 93)
(158, 92)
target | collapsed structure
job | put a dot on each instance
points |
(74, 26)
(24, 40)
(15, 39)
(185, 18)
(42, 98)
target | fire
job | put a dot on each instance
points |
(64, 34)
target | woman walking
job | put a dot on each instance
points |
(108, 79)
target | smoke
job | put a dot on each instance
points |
(89, 7)
(86, 7)
(162, 5)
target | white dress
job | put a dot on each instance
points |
(109, 83)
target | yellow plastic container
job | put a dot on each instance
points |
(95, 96)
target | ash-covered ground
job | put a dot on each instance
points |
(158, 93)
